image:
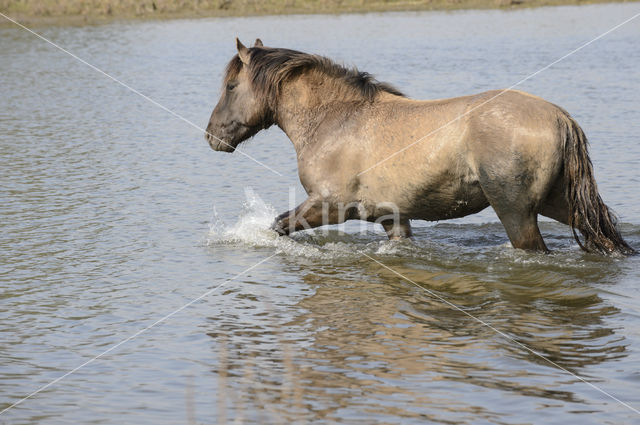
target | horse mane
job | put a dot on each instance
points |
(270, 67)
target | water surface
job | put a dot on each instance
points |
(113, 214)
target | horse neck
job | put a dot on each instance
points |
(308, 104)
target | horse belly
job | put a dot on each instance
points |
(439, 203)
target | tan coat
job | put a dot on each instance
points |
(367, 152)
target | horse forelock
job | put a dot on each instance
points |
(269, 68)
(233, 69)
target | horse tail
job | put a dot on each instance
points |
(587, 212)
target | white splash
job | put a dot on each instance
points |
(252, 228)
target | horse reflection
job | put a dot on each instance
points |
(375, 343)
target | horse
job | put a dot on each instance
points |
(366, 151)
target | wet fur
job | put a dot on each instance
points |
(587, 212)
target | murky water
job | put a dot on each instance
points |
(114, 214)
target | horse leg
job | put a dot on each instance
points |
(397, 230)
(556, 205)
(523, 230)
(517, 210)
(311, 213)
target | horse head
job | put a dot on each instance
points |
(240, 113)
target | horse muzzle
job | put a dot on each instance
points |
(219, 144)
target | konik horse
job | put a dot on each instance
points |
(365, 151)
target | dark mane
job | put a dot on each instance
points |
(269, 68)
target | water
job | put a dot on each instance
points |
(115, 214)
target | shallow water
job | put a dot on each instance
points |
(115, 214)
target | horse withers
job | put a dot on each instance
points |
(365, 151)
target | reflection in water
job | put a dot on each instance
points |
(391, 350)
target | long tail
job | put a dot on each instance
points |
(587, 212)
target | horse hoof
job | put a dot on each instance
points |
(276, 227)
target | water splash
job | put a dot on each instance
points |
(252, 227)
(480, 247)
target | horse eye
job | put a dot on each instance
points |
(231, 86)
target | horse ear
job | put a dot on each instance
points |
(243, 52)
(258, 43)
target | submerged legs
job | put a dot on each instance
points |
(517, 209)
(523, 231)
(396, 230)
